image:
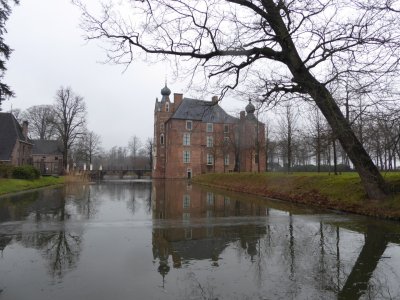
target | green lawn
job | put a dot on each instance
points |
(16, 185)
(343, 191)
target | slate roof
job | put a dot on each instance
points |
(200, 249)
(46, 147)
(10, 132)
(205, 111)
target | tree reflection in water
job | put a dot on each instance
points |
(140, 190)
(205, 244)
(298, 256)
(58, 243)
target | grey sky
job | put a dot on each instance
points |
(49, 52)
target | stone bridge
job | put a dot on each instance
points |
(99, 174)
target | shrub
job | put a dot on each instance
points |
(25, 172)
(6, 171)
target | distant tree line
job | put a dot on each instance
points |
(298, 138)
(65, 120)
(136, 155)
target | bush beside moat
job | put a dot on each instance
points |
(16, 179)
(342, 192)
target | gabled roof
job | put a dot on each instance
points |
(205, 111)
(47, 147)
(10, 132)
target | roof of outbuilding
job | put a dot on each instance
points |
(205, 111)
(46, 147)
(10, 132)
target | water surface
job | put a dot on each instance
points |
(173, 240)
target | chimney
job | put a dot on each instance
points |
(177, 100)
(214, 99)
(25, 129)
(242, 115)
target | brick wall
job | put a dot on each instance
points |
(21, 154)
(236, 141)
(177, 168)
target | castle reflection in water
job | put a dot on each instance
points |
(193, 235)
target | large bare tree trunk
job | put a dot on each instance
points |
(371, 179)
(370, 176)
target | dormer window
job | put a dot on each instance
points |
(189, 125)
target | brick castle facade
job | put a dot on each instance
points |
(193, 137)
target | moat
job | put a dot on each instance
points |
(176, 240)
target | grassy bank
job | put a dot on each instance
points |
(342, 192)
(17, 185)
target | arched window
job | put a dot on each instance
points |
(162, 139)
(167, 107)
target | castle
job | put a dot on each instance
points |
(193, 137)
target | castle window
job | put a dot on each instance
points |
(226, 128)
(189, 125)
(186, 201)
(209, 141)
(162, 139)
(167, 107)
(186, 139)
(210, 159)
(186, 216)
(186, 157)
(226, 160)
(227, 201)
(188, 231)
(209, 127)
(210, 198)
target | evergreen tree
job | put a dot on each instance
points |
(5, 50)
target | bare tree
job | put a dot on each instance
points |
(88, 146)
(69, 118)
(287, 125)
(134, 146)
(318, 134)
(271, 146)
(308, 44)
(149, 151)
(41, 121)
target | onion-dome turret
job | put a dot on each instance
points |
(250, 109)
(165, 91)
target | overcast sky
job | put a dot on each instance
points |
(49, 52)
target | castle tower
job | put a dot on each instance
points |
(163, 110)
(252, 141)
